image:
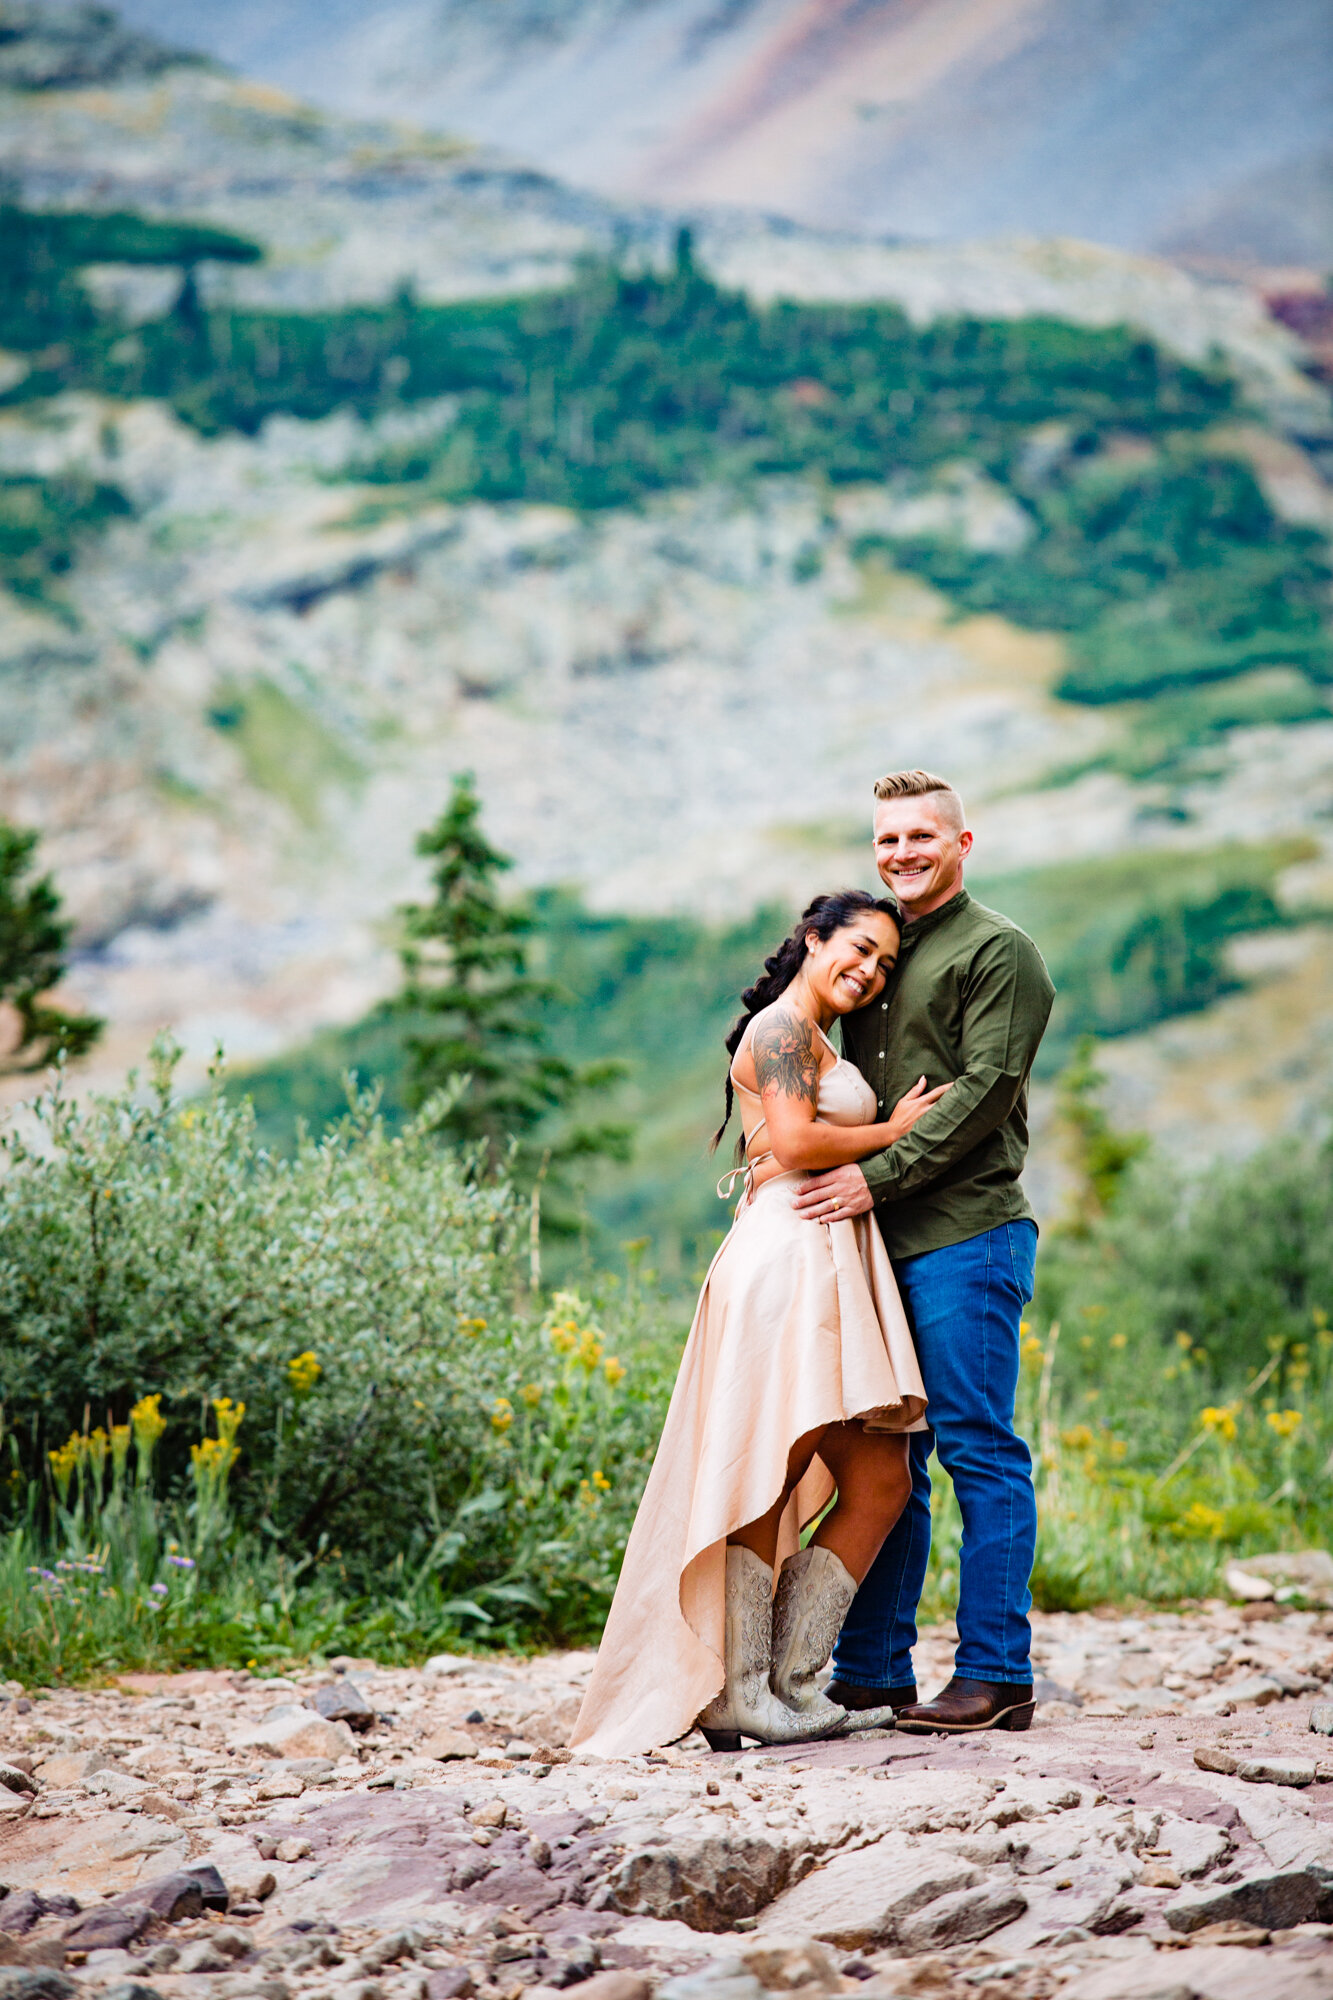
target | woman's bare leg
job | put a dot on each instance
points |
(874, 1483)
(762, 1535)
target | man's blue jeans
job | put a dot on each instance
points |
(964, 1304)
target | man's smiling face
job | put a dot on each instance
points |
(920, 845)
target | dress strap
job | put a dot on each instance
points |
(745, 1171)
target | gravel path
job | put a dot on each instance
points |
(1163, 1832)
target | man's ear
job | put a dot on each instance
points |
(965, 841)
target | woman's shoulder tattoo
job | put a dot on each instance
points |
(786, 1058)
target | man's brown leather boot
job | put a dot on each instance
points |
(967, 1705)
(848, 1695)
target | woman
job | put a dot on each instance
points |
(799, 1377)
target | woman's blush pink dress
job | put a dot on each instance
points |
(799, 1324)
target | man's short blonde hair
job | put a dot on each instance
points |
(920, 785)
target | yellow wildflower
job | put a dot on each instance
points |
(229, 1416)
(472, 1327)
(589, 1351)
(614, 1370)
(98, 1445)
(1119, 1340)
(601, 1482)
(303, 1371)
(531, 1392)
(120, 1447)
(1184, 1341)
(502, 1415)
(64, 1463)
(1077, 1439)
(1200, 1519)
(148, 1422)
(1221, 1422)
(565, 1336)
(1285, 1422)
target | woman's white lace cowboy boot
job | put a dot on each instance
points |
(747, 1705)
(815, 1592)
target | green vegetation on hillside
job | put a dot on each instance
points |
(1162, 560)
(1130, 941)
(1169, 571)
(42, 300)
(43, 523)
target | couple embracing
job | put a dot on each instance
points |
(863, 1311)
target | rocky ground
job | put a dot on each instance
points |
(1164, 1832)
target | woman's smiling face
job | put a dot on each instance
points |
(849, 969)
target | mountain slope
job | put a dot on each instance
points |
(1197, 126)
(674, 567)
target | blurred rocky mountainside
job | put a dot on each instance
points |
(275, 572)
(1161, 125)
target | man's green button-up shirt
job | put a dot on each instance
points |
(968, 1006)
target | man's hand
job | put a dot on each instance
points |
(832, 1197)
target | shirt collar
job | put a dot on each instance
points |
(921, 925)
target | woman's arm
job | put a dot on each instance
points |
(786, 1059)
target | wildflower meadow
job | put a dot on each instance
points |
(262, 1409)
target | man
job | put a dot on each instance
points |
(969, 1007)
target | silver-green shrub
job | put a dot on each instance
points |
(148, 1245)
(422, 1448)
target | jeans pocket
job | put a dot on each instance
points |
(1022, 1238)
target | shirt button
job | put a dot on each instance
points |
(883, 1006)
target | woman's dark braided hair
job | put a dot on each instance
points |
(825, 916)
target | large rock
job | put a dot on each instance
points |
(184, 1893)
(1293, 1896)
(858, 1900)
(344, 1702)
(444, 1745)
(721, 1979)
(290, 1730)
(23, 1909)
(962, 1918)
(35, 1982)
(15, 1780)
(1254, 1691)
(121, 1786)
(1277, 1771)
(110, 1928)
(1309, 1571)
(1190, 1848)
(706, 1882)
(68, 1768)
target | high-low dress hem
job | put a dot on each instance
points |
(799, 1325)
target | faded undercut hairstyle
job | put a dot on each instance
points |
(920, 785)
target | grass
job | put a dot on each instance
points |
(1171, 1430)
(287, 751)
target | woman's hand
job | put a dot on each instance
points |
(914, 1105)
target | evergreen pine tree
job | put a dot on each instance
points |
(33, 935)
(476, 1010)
